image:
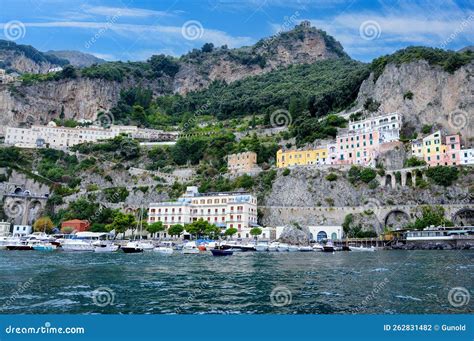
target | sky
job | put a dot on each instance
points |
(136, 29)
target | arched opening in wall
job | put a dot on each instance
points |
(321, 236)
(398, 178)
(418, 176)
(409, 179)
(334, 236)
(18, 191)
(388, 180)
(35, 209)
(396, 219)
(464, 217)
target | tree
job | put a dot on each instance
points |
(230, 232)
(431, 215)
(256, 231)
(155, 227)
(121, 222)
(443, 176)
(175, 230)
(200, 228)
(43, 224)
(207, 47)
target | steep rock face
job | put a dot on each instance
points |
(438, 97)
(303, 45)
(295, 235)
(19, 62)
(40, 103)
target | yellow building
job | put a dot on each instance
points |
(302, 157)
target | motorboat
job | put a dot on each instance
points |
(105, 247)
(132, 247)
(82, 241)
(282, 247)
(362, 248)
(248, 247)
(166, 250)
(318, 247)
(292, 248)
(146, 246)
(190, 248)
(221, 252)
(45, 247)
(273, 247)
(329, 247)
(19, 245)
(305, 249)
(261, 247)
(4, 241)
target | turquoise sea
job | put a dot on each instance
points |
(384, 282)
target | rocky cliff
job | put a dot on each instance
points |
(424, 94)
(84, 97)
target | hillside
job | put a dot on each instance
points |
(97, 88)
(76, 58)
(25, 58)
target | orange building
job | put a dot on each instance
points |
(75, 225)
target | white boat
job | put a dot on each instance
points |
(318, 247)
(273, 247)
(362, 249)
(292, 248)
(132, 247)
(82, 241)
(190, 248)
(146, 246)
(105, 248)
(4, 241)
(261, 247)
(305, 249)
(282, 247)
(166, 250)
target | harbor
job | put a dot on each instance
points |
(299, 282)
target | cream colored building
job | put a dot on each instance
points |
(242, 162)
(56, 137)
(223, 209)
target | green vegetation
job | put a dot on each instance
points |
(116, 194)
(119, 148)
(450, 61)
(355, 231)
(442, 175)
(331, 177)
(357, 174)
(414, 162)
(175, 230)
(201, 228)
(230, 231)
(408, 95)
(286, 172)
(155, 227)
(255, 232)
(426, 129)
(43, 224)
(431, 215)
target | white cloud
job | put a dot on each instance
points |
(169, 34)
(124, 11)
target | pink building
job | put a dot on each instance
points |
(357, 148)
(451, 155)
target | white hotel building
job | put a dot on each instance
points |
(224, 209)
(56, 137)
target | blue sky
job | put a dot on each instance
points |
(136, 29)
